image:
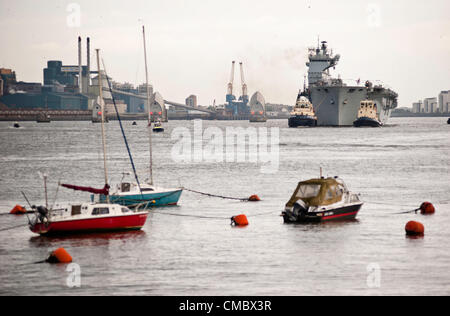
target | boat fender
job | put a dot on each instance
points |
(240, 220)
(427, 208)
(18, 210)
(254, 198)
(414, 229)
(59, 256)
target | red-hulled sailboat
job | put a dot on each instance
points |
(89, 217)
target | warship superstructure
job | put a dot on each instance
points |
(336, 103)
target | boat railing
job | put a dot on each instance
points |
(353, 83)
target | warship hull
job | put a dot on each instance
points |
(339, 105)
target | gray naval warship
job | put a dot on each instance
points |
(336, 103)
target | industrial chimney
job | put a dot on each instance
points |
(88, 60)
(80, 79)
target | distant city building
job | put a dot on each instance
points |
(192, 101)
(142, 89)
(56, 72)
(106, 93)
(26, 87)
(434, 107)
(128, 87)
(427, 104)
(417, 107)
(135, 104)
(8, 77)
(444, 101)
(121, 106)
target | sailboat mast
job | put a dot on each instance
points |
(102, 107)
(149, 109)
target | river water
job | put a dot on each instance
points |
(394, 168)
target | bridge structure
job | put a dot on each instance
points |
(176, 104)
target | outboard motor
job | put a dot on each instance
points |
(43, 212)
(300, 209)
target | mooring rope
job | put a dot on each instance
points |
(13, 227)
(218, 196)
(209, 217)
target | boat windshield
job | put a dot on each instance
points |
(307, 191)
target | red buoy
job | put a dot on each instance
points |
(240, 220)
(415, 229)
(18, 210)
(254, 198)
(427, 208)
(59, 256)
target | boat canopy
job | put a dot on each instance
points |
(318, 192)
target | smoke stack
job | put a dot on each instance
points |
(88, 63)
(80, 79)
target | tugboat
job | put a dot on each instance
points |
(320, 200)
(158, 128)
(303, 113)
(367, 115)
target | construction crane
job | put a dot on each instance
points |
(230, 96)
(244, 97)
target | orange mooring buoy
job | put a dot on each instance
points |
(59, 256)
(254, 198)
(427, 208)
(415, 229)
(240, 220)
(18, 210)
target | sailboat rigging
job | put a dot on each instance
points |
(89, 217)
(132, 194)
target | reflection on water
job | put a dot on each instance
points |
(86, 240)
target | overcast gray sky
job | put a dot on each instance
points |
(405, 44)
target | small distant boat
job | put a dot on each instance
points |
(448, 121)
(43, 118)
(367, 115)
(134, 124)
(16, 125)
(303, 113)
(158, 128)
(319, 200)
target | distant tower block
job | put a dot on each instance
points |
(192, 101)
(158, 109)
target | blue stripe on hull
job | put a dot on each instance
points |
(161, 199)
